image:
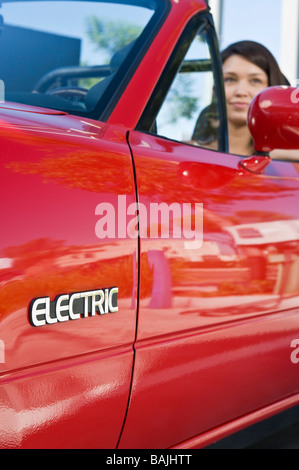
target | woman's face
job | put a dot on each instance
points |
(243, 80)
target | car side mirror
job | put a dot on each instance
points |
(273, 119)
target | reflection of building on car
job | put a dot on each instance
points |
(272, 245)
(104, 104)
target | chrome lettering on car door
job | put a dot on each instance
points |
(72, 306)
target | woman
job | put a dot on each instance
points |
(248, 68)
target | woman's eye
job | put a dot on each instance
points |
(229, 80)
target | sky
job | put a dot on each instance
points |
(255, 19)
(43, 16)
(258, 20)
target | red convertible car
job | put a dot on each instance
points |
(149, 284)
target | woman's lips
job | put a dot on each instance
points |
(240, 105)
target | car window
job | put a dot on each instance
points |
(68, 55)
(190, 110)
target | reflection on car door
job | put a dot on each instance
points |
(65, 377)
(217, 346)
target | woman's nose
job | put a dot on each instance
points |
(241, 89)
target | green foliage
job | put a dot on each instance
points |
(111, 36)
(181, 101)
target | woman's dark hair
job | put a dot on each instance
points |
(258, 55)
(254, 52)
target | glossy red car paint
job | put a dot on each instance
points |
(225, 327)
(81, 375)
(275, 109)
(129, 110)
(200, 345)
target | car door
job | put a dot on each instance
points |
(219, 284)
(68, 292)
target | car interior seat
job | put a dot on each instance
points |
(95, 92)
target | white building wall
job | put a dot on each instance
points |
(217, 10)
(289, 50)
(287, 31)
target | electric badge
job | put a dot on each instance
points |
(65, 307)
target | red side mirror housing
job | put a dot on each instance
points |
(273, 119)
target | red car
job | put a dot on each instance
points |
(149, 285)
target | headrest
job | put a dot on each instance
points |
(95, 92)
(119, 56)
